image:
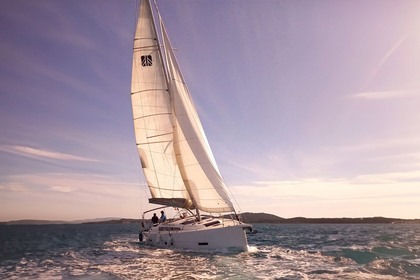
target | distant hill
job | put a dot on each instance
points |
(262, 218)
(31, 222)
(46, 222)
(115, 221)
(259, 218)
(252, 218)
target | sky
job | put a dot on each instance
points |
(311, 107)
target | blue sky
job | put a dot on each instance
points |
(311, 107)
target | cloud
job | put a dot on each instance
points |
(331, 160)
(382, 194)
(81, 184)
(42, 154)
(336, 188)
(379, 95)
(69, 196)
(389, 178)
(64, 189)
(13, 187)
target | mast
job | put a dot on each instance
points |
(160, 44)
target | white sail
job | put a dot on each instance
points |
(175, 155)
(152, 113)
(197, 164)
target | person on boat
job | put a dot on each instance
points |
(155, 219)
(162, 217)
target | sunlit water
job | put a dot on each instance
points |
(276, 252)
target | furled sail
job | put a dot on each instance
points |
(152, 114)
(175, 155)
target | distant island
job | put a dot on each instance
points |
(252, 218)
(264, 218)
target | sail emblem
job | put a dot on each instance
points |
(146, 60)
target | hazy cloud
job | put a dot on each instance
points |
(13, 187)
(68, 196)
(348, 197)
(389, 178)
(378, 95)
(43, 154)
(65, 189)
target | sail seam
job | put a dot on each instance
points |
(154, 142)
(144, 38)
(153, 89)
(167, 189)
(145, 47)
(158, 135)
(152, 115)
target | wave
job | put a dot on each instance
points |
(275, 252)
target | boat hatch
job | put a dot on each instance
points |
(188, 222)
(212, 223)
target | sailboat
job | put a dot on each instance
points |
(176, 159)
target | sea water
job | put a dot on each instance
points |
(304, 251)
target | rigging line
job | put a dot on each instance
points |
(153, 89)
(136, 16)
(155, 142)
(158, 12)
(152, 115)
(161, 47)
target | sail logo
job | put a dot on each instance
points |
(146, 60)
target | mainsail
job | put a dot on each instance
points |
(175, 155)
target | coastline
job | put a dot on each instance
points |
(252, 218)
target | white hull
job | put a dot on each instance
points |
(207, 234)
